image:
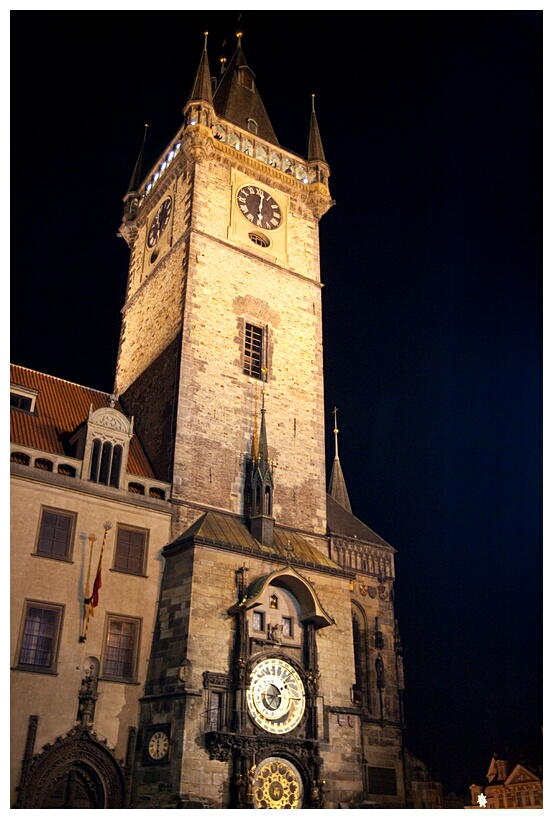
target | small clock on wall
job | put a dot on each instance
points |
(157, 744)
(160, 222)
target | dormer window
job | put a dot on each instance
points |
(245, 77)
(22, 398)
(104, 443)
(252, 125)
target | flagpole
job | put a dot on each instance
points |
(86, 605)
(91, 600)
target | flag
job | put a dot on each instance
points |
(90, 603)
(94, 599)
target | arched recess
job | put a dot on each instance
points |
(76, 771)
(311, 610)
(361, 655)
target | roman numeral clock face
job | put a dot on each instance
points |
(276, 696)
(259, 207)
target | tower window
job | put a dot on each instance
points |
(252, 125)
(261, 241)
(245, 77)
(253, 351)
(258, 621)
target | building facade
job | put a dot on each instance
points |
(243, 651)
(511, 785)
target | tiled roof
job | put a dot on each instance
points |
(61, 407)
(342, 522)
(237, 103)
(227, 530)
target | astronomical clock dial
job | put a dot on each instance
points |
(161, 220)
(277, 785)
(158, 745)
(276, 696)
(259, 207)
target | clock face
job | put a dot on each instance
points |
(161, 220)
(277, 784)
(276, 696)
(259, 207)
(158, 745)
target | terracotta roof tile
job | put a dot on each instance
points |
(61, 407)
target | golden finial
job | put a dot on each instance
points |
(335, 411)
(313, 102)
(205, 41)
(239, 34)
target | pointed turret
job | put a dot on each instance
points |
(132, 197)
(337, 485)
(237, 99)
(201, 90)
(262, 521)
(315, 152)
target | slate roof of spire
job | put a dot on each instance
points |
(201, 90)
(342, 522)
(315, 146)
(337, 485)
(237, 103)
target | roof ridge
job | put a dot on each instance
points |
(58, 378)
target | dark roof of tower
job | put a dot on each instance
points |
(237, 103)
(201, 90)
(61, 407)
(228, 531)
(337, 485)
(136, 177)
(315, 146)
(341, 522)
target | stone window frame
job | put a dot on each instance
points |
(112, 619)
(263, 620)
(217, 689)
(123, 529)
(267, 346)
(59, 513)
(32, 640)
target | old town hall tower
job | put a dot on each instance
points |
(275, 674)
(244, 651)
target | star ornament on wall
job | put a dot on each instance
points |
(482, 801)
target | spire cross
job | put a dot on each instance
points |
(335, 411)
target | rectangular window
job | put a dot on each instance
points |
(23, 398)
(258, 621)
(121, 648)
(382, 780)
(253, 351)
(287, 626)
(215, 720)
(130, 550)
(40, 638)
(55, 537)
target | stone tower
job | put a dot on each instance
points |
(275, 676)
(223, 295)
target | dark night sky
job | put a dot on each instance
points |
(432, 264)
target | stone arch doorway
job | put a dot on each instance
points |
(78, 788)
(77, 772)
